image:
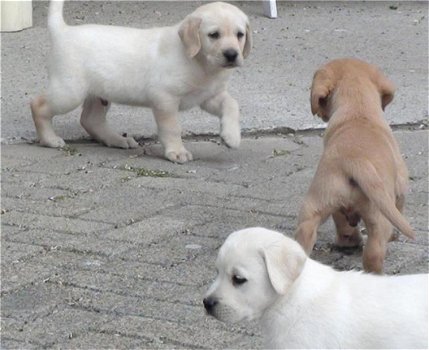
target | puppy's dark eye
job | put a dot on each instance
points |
(238, 280)
(214, 35)
(240, 35)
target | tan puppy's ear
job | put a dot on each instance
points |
(284, 261)
(189, 33)
(249, 41)
(386, 88)
(321, 90)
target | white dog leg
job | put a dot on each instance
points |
(93, 120)
(42, 115)
(169, 133)
(227, 109)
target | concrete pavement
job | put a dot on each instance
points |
(107, 248)
(272, 87)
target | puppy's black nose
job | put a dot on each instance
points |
(209, 304)
(230, 55)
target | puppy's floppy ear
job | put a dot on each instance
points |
(284, 261)
(189, 33)
(249, 41)
(385, 87)
(321, 89)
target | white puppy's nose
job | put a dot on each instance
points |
(230, 55)
(209, 304)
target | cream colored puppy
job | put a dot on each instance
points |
(166, 69)
(303, 304)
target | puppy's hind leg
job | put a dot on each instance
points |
(310, 218)
(59, 99)
(42, 116)
(347, 236)
(379, 233)
(93, 120)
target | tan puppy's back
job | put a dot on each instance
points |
(361, 172)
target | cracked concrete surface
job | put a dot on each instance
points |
(272, 87)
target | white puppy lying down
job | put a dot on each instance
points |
(304, 304)
(167, 69)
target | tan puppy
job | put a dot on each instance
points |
(167, 69)
(361, 173)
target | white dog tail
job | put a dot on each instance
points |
(368, 180)
(55, 17)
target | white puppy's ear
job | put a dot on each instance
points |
(249, 41)
(284, 261)
(189, 33)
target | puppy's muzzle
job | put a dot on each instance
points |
(209, 305)
(230, 56)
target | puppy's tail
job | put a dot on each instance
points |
(55, 17)
(368, 180)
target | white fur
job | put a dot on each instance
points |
(303, 304)
(166, 69)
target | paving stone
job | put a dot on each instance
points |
(63, 325)
(95, 340)
(12, 252)
(24, 220)
(80, 181)
(29, 192)
(57, 206)
(116, 304)
(124, 204)
(206, 336)
(91, 157)
(66, 261)
(15, 337)
(7, 344)
(33, 302)
(185, 273)
(221, 218)
(175, 249)
(147, 231)
(133, 286)
(89, 243)
(124, 261)
(17, 156)
(18, 275)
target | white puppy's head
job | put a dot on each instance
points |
(255, 266)
(217, 33)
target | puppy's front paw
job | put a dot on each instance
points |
(53, 142)
(231, 137)
(181, 156)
